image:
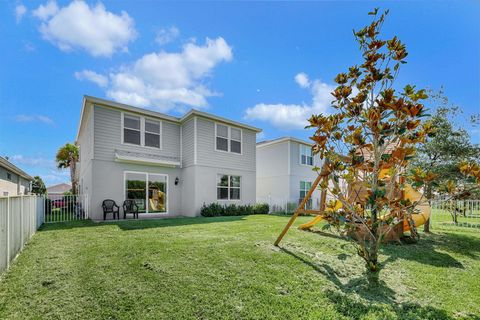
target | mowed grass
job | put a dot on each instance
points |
(227, 268)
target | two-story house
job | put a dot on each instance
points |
(285, 172)
(169, 165)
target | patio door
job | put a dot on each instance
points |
(148, 190)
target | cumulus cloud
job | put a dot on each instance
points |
(33, 118)
(165, 36)
(294, 116)
(20, 11)
(90, 28)
(302, 80)
(44, 12)
(166, 80)
(98, 79)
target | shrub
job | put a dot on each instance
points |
(261, 208)
(214, 209)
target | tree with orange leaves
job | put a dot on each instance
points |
(374, 130)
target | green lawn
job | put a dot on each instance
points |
(227, 268)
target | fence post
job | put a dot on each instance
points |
(8, 231)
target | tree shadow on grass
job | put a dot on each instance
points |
(131, 224)
(377, 300)
(428, 250)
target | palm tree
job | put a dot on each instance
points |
(67, 157)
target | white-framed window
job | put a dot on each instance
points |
(152, 133)
(306, 155)
(132, 129)
(304, 187)
(228, 139)
(228, 187)
(141, 131)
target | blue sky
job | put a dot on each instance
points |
(266, 64)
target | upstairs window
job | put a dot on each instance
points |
(142, 131)
(306, 155)
(9, 176)
(228, 187)
(222, 137)
(152, 133)
(235, 140)
(228, 139)
(131, 130)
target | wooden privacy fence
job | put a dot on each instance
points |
(20, 217)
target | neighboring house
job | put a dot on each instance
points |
(170, 166)
(284, 172)
(13, 180)
(58, 189)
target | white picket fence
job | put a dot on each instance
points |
(286, 206)
(20, 217)
(458, 213)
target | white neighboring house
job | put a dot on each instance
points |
(13, 180)
(284, 172)
(169, 165)
(58, 189)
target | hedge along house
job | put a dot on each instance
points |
(170, 166)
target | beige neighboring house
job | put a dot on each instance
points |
(13, 180)
(58, 189)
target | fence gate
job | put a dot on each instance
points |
(60, 208)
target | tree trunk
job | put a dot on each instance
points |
(428, 195)
(73, 178)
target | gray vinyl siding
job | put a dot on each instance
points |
(188, 143)
(208, 156)
(85, 143)
(108, 136)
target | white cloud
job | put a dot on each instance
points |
(79, 26)
(20, 11)
(165, 36)
(32, 161)
(165, 80)
(98, 79)
(44, 12)
(33, 118)
(302, 80)
(294, 116)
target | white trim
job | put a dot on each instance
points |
(229, 139)
(289, 160)
(228, 187)
(146, 190)
(280, 140)
(181, 146)
(195, 140)
(122, 158)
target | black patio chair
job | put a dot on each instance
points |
(129, 206)
(109, 206)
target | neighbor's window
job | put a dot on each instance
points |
(228, 187)
(306, 155)
(152, 133)
(131, 129)
(222, 137)
(304, 187)
(228, 139)
(9, 176)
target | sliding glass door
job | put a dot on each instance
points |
(151, 199)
